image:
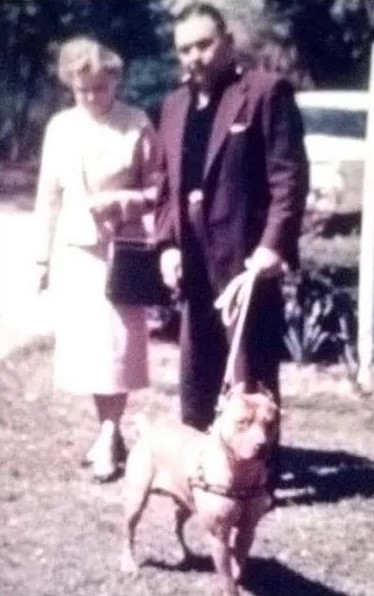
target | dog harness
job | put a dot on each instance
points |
(242, 494)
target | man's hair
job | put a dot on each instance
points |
(202, 9)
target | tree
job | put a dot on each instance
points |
(31, 29)
(320, 42)
(257, 41)
(332, 37)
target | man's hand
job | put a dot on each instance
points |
(171, 267)
(265, 262)
(42, 277)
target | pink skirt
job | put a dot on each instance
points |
(100, 348)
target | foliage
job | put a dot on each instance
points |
(147, 80)
(319, 319)
(314, 42)
(332, 37)
(31, 29)
(253, 27)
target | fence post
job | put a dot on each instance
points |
(366, 261)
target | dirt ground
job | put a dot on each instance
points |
(61, 533)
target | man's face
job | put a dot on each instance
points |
(203, 50)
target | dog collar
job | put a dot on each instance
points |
(243, 494)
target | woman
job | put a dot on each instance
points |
(96, 177)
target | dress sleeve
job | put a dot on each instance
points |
(48, 196)
(148, 161)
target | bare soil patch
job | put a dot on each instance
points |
(61, 534)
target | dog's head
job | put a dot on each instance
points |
(247, 423)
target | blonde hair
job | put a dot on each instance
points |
(82, 55)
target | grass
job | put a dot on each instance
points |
(61, 534)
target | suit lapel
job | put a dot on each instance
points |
(176, 124)
(230, 104)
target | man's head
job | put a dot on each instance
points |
(203, 43)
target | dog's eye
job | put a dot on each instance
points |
(243, 424)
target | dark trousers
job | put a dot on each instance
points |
(205, 347)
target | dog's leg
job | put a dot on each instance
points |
(182, 514)
(138, 481)
(245, 535)
(243, 542)
(220, 550)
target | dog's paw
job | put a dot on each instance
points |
(128, 565)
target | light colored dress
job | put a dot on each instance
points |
(100, 348)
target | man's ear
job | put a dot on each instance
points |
(225, 396)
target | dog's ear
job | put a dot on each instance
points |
(227, 393)
(266, 391)
(238, 389)
(222, 400)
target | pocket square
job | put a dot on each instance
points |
(238, 127)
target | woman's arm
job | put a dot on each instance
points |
(132, 203)
(48, 198)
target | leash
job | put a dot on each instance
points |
(234, 304)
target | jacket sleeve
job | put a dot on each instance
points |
(48, 198)
(287, 169)
(164, 221)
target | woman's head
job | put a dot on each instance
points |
(91, 71)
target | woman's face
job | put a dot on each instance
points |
(94, 93)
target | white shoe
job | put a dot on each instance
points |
(105, 463)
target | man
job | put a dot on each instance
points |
(235, 178)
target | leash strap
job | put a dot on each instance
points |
(237, 295)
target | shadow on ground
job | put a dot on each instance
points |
(324, 476)
(262, 577)
(269, 577)
(308, 476)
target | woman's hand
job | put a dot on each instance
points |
(115, 205)
(104, 207)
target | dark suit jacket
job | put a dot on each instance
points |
(255, 174)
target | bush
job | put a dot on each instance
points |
(319, 319)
